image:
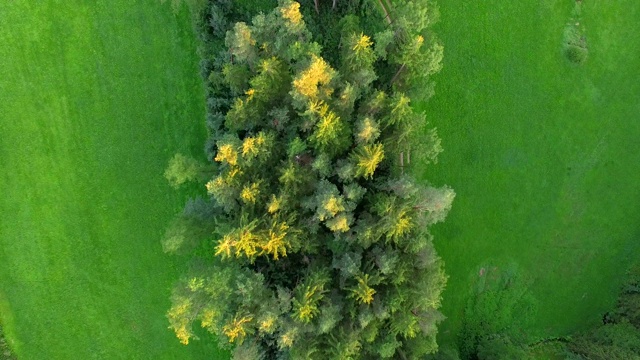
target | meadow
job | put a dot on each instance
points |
(543, 155)
(95, 99)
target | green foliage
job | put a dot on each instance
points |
(182, 169)
(5, 350)
(191, 228)
(619, 337)
(497, 315)
(617, 341)
(323, 251)
(629, 302)
(502, 306)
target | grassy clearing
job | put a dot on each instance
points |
(543, 154)
(96, 98)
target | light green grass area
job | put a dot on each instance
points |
(96, 97)
(544, 155)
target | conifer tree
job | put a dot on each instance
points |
(317, 247)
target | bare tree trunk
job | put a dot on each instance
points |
(409, 157)
(317, 9)
(403, 356)
(402, 162)
(395, 77)
(386, 13)
(334, 4)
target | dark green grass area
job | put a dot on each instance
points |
(95, 99)
(544, 154)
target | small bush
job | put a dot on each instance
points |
(576, 54)
(5, 351)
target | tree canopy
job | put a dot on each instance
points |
(318, 243)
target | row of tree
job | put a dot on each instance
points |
(313, 242)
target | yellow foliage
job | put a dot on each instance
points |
(180, 307)
(225, 246)
(276, 244)
(249, 146)
(215, 185)
(226, 153)
(318, 73)
(267, 325)
(250, 193)
(368, 131)
(318, 107)
(363, 293)
(179, 319)
(243, 34)
(195, 284)
(327, 128)
(290, 176)
(333, 205)
(247, 243)
(237, 328)
(233, 172)
(292, 13)
(288, 338)
(306, 312)
(363, 43)
(250, 94)
(400, 108)
(183, 334)
(261, 139)
(207, 318)
(368, 159)
(307, 307)
(402, 226)
(269, 66)
(339, 224)
(328, 124)
(274, 204)
(253, 145)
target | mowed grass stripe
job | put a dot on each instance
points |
(96, 99)
(544, 155)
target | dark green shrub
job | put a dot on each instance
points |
(497, 314)
(576, 54)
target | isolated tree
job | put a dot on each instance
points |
(318, 248)
(182, 169)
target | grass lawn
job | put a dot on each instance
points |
(95, 99)
(544, 155)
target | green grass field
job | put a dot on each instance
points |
(95, 99)
(544, 155)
